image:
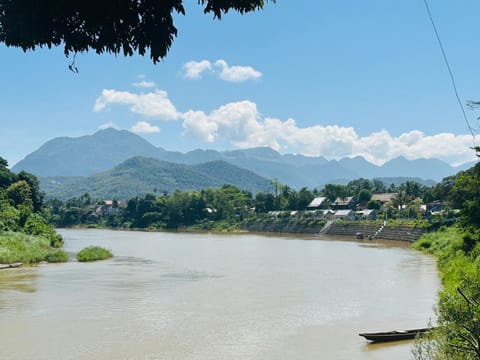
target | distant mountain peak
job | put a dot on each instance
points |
(86, 155)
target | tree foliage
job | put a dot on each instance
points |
(111, 26)
(20, 193)
(466, 195)
(21, 205)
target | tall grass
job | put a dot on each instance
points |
(29, 249)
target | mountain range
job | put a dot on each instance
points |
(106, 150)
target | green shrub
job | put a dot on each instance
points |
(56, 256)
(93, 253)
(423, 243)
(56, 240)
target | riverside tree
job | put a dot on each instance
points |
(107, 26)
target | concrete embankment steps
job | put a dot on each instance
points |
(388, 232)
(326, 227)
(401, 232)
(379, 230)
(351, 229)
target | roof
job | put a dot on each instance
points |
(343, 201)
(365, 212)
(316, 202)
(386, 197)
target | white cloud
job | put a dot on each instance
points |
(144, 127)
(144, 84)
(200, 126)
(193, 69)
(380, 147)
(153, 104)
(108, 125)
(236, 73)
(233, 121)
(241, 124)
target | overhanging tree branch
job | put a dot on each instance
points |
(111, 26)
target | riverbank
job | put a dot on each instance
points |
(398, 231)
(457, 251)
(407, 231)
(28, 249)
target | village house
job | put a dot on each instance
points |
(435, 207)
(322, 214)
(317, 203)
(344, 214)
(367, 214)
(108, 207)
(345, 203)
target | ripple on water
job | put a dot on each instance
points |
(190, 276)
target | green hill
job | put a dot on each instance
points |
(139, 175)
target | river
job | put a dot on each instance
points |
(207, 297)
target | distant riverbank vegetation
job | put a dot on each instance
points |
(25, 233)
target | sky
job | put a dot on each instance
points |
(320, 78)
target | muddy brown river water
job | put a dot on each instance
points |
(207, 297)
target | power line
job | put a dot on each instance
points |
(452, 78)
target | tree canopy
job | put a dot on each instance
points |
(111, 26)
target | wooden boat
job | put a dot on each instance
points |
(9, 266)
(394, 335)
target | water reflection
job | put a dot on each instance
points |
(132, 261)
(190, 276)
(16, 287)
(19, 279)
(372, 346)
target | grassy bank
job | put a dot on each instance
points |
(458, 310)
(29, 249)
(454, 250)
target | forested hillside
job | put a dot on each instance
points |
(139, 176)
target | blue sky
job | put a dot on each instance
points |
(330, 78)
